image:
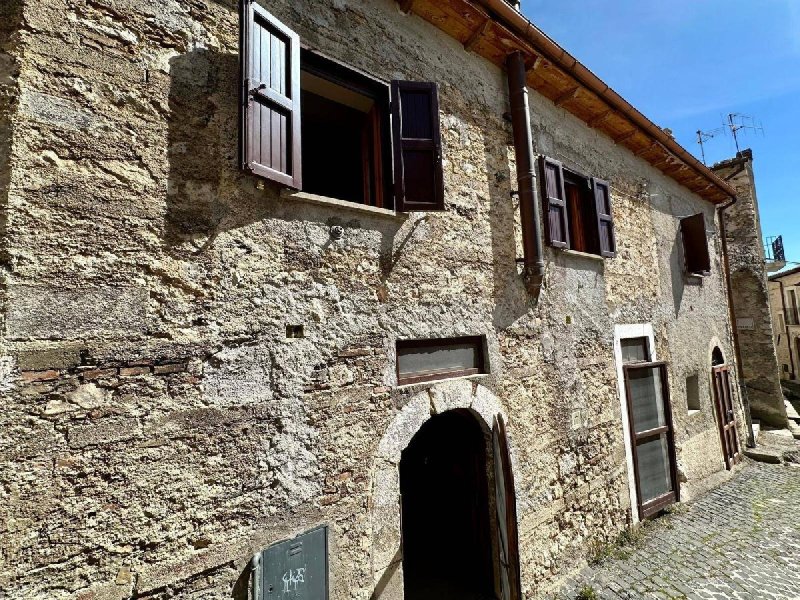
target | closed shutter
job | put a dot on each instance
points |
(417, 141)
(695, 245)
(270, 107)
(555, 206)
(605, 223)
(506, 505)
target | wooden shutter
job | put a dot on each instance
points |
(506, 512)
(695, 245)
(555, 206)
(270, 108)
(605, 223)
(417, 141)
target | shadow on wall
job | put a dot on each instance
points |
(206, 191)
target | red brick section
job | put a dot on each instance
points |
(140, 367)
(32, 376)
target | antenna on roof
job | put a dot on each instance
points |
(740, 124)
(704, 136)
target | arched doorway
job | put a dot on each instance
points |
(446, 519)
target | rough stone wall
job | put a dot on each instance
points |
(786, 334)
(163, 427)
(750, 294)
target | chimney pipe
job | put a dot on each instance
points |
(523, 149)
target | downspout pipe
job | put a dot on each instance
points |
(556, 54)
(530, 212)
(751, 442)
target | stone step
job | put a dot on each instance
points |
(765, 455)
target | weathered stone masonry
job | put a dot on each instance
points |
(750, 296)
(162, 427)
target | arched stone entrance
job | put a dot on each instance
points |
(452, 400)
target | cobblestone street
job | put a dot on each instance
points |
(740, 541)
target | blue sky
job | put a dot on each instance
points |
(686, 64)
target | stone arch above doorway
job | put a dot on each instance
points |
(385, 506)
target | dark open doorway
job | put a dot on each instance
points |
(447, 544)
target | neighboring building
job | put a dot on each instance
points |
(784, 300)
(749, 293)
(202, 361)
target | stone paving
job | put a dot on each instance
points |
(739, 541)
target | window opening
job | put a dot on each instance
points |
(428, 360)
(635, 350)
(345, 120)
(693, 392)
(581, 218)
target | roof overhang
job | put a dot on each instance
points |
(493, 29)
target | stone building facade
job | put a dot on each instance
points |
(198, 362)
(784, 299)
(750, 296)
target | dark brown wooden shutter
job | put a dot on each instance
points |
(417, 141)
(506, 507)
(605, 223)
(555, 207)
(695, 245)
(270, 127)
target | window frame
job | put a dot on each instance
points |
(558, 216)
(693, 265)
(651, 507)
(479, 341)
(343, 75)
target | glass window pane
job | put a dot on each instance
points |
(654, 468)
(646, 398)
(635, 350)
(422, 359)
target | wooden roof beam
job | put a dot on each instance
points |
(406, 5)
(648, 150)
(596, 120)
(566, 97)
(625, 136)
(477, 35)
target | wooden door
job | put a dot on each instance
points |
(506, 515)
(729, 435)
(652, 437)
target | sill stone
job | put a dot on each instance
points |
(427, 384)
(343, 205)
(694, 411)
(588, 255)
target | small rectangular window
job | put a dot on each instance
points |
(792, 309)
(693, 392)
(697, 259)
(428, 360)
(635, 350)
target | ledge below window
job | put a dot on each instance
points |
(583, 255)
(373, 211)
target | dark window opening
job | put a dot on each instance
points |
(345, 147)
(428, 360)
(446, 520)
(582, 220)
(717, 358)
(697, 259)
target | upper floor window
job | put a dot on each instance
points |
(697, 259)
(317, 126)
(577, 210)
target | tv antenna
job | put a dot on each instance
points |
(704, 136)
(742, 123)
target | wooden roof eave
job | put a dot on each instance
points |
(488, 37)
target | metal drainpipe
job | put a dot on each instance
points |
(751, 442)
(523, 149)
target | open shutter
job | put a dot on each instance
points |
(270, 106)
(506, 506)
(695, 245)
(555, 206)
(605, 223)
(417, 141)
